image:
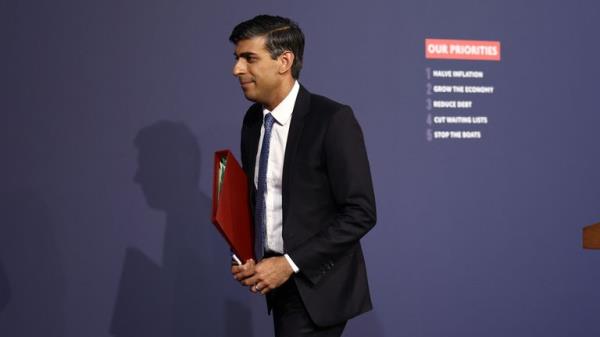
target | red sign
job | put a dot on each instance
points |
(462, 50)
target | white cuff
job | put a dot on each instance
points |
(292, 264)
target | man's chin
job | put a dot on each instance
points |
(250, 97)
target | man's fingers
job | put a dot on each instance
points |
(244, 274)
(261, 277)
(265, 290)
(243, 271)
(251, 281)
(249, 264)
(261, 288)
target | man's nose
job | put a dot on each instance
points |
(238, 67)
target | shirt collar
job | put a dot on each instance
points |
(283, 111)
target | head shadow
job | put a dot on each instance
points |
(183, 294)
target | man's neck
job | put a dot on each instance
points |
(280, 94)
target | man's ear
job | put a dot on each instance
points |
(286, 60)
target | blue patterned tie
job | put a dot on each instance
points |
(261, 188)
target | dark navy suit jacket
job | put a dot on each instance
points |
(328, 203)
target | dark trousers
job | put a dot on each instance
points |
(291, 318)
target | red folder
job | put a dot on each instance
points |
(231, 209)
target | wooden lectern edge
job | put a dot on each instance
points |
(591, 236)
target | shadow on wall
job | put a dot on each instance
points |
(4, 289)
(32, 279)
(184, 294)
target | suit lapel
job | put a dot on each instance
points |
(301, 108)
(253, 140)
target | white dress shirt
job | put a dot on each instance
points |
(282, 114)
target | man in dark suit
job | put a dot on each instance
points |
(310, 187)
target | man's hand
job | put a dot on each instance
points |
(269, 273)
(244, 271)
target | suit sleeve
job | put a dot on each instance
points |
(351, 186)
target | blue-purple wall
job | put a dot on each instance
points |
(111, 111)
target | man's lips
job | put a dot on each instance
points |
(247, 83)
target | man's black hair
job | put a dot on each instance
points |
(282, 34)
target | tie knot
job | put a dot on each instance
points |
(269, 120)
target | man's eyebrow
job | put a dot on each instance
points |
(245, 54)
